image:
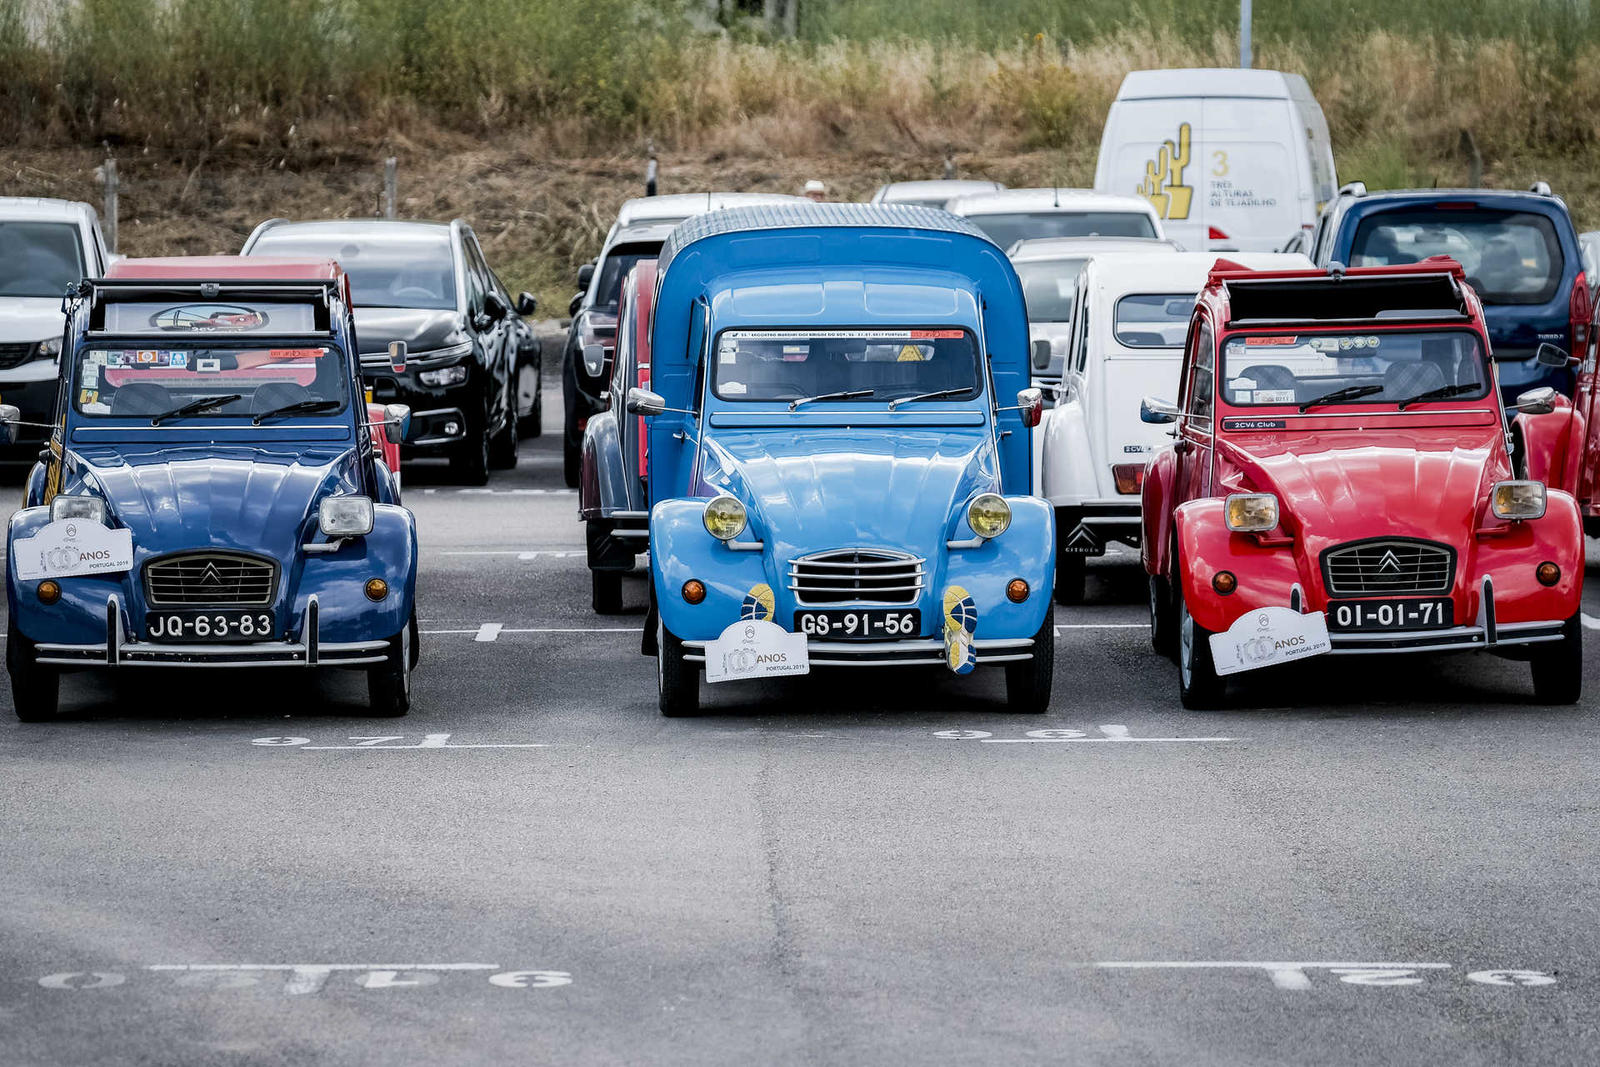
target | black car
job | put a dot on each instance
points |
(427, 284)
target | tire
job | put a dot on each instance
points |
(533, 425)
(35, 690)
(606, 592)
(470, 464)
(1558, 666)
(571, 463)
(503, 446)
(1163, 638)
(1591, 526)
(1071, 571)
(1028, 684)
(389, 682)
(677, 680)
(1200, 687)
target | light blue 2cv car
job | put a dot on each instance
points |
(839, 452)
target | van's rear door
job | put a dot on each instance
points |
(1249, 176)
(1148, 150)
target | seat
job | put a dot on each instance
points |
(276, 395)
(141, 398)
(1269, 376)
(1404, 380)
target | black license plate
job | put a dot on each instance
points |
(862, 624)
(1429, 613)
(225, 626)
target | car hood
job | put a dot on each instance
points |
(817, 489)
(30, 318)
(422, 330)
(238, 497)
(1431, 483)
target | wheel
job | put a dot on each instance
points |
(389, 682)
(606, 587)
(1200, 687)
(533, 425)
(1028, 683)
(471, 461)
(1162, 638)
(1591, 526)
(571, 463)
(503, 446)
(1558, 666)
(1071, 569)
(35, 690)
(677, 681)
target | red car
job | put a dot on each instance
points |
(1340, 482)
(1557, 440)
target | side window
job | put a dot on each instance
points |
(472, 262)
(622, 356)
(1080, 354)
(1201, 386)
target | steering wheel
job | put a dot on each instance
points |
(416, 291)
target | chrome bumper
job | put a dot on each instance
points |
(916, 653)
(1485, 633)
(118, 651)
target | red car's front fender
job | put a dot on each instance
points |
(1552, 446)
(1265, 573)
(1155, 510)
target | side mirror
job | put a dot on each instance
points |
(1157, 412)
(594, 360)
(1031, 403)
(494, 305)
(1540, 401)
(644, 402)
(575, 303)
(585, 275)
(397, 356)
(526, 304)
(10, 415)
(1041, 354)
(1549, 355)
(396, 423)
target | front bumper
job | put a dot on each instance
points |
(439, 418)
(915, 653)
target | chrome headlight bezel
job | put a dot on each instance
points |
(345, 516)
(725, 517)
(1251, 512)
(49, 348)
(79, 506)
(1518, 499)
(988, 515)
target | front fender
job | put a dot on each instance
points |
(1155, 510)
(1266, 574)
(1068, 477)
(1552, 446)
(603, 483)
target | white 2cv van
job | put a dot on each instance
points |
(1130, 319)
(1231, 159)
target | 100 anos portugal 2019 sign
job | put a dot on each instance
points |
(755, 648)
(1266, 637)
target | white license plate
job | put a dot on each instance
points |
(220, 625)
(867, 624)
(1430, 613)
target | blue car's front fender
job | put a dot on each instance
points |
(681, 549)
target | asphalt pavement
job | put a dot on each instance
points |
(1370, 861)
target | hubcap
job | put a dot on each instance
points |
(1186, 646)
(661, 655)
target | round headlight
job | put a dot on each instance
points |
(724, 518)
(989, 515)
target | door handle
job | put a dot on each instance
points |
(1183, 447)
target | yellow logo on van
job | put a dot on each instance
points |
(1163, 178)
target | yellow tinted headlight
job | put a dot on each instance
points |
(725, 518)
(1517, 500)
(989, 515)
(1251, 512)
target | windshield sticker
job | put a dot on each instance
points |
(733, 388)
(88, 396)
(936, 335)
(1274, 396)
(1242, 384)
(208, 318)
(914, 354)
(1273, 342)
(96, 358)
(208, 365)
(91, 375)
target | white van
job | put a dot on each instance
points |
(1129, 321)
(1231, 159)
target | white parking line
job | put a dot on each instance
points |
(1590, 622)
(489, 631)
(1112, 734)
(520, 553)
(498, 629)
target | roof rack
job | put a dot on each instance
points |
(1379, 298)
(1353, 189)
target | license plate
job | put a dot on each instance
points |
(867, 624)
(1432, 613)
(220, 625)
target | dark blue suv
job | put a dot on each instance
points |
(1519, 249)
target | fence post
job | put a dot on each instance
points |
(388, 187)
(108, 221)
(1244, 34)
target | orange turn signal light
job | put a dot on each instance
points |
(1129, 477)
(1548, 573)
(49, 591)
(377, 588)
(1017, 590)
(694, 591)
(1224, 582)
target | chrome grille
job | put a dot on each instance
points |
(15, 355)
(857, 574)
(1388, 567)
(209, 579)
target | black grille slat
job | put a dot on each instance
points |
(851, 575)
(15, 355)
(1388, 566)
(211, 579)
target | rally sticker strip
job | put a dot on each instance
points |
(303, 979)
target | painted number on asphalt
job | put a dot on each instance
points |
(1108, 732)
(302, 979)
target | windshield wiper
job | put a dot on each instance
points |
(853, 394)
(299, 407)
(1444, 392)
(937, 395)
(194, 407)
(1339, 396)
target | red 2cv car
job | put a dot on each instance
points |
(1340, 482)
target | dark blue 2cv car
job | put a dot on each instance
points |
(839, 452)
(212, 494)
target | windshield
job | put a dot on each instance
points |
(794, 364)
(115, 382)
(1367, 368)
(615, 267)
(1007, 230)
(1153, 320)
(39, 258)
(1511, 257)
(412, 269)
(1048, 287)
